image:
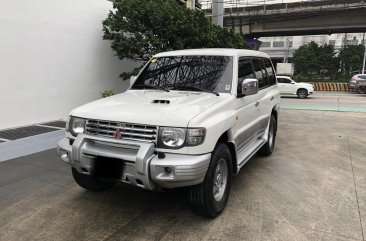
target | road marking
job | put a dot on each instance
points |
(330, 108)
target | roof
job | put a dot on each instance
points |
(215, 52)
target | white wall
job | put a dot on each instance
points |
(53, 58)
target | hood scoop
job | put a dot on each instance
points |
(161, 101)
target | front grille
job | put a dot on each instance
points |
(126, 131)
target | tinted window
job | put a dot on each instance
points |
(245, 69)
(208, 72)
(362, 76)
(260, 73)
(270, 72)
(283, 80)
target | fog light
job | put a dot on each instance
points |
(64, 156)
(168, 169)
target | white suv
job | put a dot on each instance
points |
(191, 118)
(288, 86)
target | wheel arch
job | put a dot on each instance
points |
(274, 112)
(302, 88)
(225, 138)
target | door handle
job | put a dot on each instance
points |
(272, 98)
(257, 104)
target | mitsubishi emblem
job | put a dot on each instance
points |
(117, 133)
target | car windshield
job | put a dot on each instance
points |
(212, 73)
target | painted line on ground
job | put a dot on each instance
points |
(329, 108)
(30, 145)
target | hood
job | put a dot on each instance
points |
(150, 107)
(307, 84)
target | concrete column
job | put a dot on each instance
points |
(191, 4)
(218, 12)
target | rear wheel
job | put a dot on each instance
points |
(91, 183)
(268, 148)
(302, 93)
(210, 197)
(362, 90)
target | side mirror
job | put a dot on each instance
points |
(293, 83)
(248, 87)
(132, 80)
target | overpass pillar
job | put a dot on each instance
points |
(218, 12)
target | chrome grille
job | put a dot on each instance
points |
(128, 131)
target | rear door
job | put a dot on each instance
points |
(266, 80)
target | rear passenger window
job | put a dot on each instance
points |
(245, 69)
(260, 73)
(270, 72)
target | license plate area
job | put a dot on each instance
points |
(106, 167)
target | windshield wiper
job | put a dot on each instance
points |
(191, 87)
(151, 87)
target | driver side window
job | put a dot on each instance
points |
(245, 69)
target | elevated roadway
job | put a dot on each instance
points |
(298, 18)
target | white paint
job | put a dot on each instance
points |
(29, 145)
(53, 59)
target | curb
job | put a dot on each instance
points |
(329, 86)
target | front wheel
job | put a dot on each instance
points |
(210, 197)
(91, 183)
(302, 93)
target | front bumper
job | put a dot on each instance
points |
(142, 167)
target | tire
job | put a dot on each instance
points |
(302, 93)
(267, 149)
(91, 183)
(210, 197)
(362, 90)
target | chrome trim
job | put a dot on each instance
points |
(129, 131)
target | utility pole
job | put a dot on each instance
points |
(218, 12)
(364, 54)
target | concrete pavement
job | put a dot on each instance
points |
(312, 188)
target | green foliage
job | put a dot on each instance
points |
(351, 57)
(138, 29)
(312, 59)
(107, 92)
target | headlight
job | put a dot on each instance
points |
(76, 125)
(175, 138)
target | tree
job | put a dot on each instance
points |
(351, 57)
(312, 59)
(138, 29)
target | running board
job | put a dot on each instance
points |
(246, 153)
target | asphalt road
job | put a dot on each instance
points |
(313, 187)
(321, 100)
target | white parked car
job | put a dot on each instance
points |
(191, 118)
(288, 86)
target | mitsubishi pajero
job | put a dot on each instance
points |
(191, 118)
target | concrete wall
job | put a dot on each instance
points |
(53, 58)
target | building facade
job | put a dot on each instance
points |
(282, 48)
(53, 58)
